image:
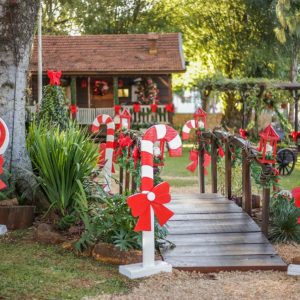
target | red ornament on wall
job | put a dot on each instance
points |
(84, 84)
(170, 107)
(136, 107)
(153, 107)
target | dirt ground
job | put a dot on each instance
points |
(266, 285)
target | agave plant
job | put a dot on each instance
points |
(61, 159)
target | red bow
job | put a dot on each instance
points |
(135, 155)
(124, 142)
(194, 161)
(73, 109)
(136, 107)
(141, 204)
(170, 107)
(153, 107)
(2, 184)
(54, 77)
(243, 133)
(221, 151)
(206, 162)
(295, 135)
(117, 109)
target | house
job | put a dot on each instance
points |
(103, 71)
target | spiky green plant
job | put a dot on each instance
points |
(61, 159)
(284, 215)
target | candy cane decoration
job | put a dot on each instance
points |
(4, 139)
(157, 195)
(109, 149)
(191, 124)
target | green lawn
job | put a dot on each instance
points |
(29, 270)
(289, 182)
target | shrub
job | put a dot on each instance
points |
(284, 215)
(62, 159)
(53, 109)
(113, 223)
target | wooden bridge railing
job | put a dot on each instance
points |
(249, 155)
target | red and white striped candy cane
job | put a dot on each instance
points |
(4, 139)
(186, 129)
(109, 149)
(152, 135)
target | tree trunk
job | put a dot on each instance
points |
(17, 23)
(293, 78)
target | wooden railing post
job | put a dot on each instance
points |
(247, 198)
(214, 161)
(121, 181)
(265, 210)
(201, 167)
(228, 171)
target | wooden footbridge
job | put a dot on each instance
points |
(211, 232)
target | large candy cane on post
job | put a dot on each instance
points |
(153, 134)
(186, 129)
(109, 149)
(4, 139)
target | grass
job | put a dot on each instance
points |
(176, 174)
(29, 270)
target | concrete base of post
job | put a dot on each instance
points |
(139, 270)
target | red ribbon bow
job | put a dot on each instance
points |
(153, 107)
(117, 109)
(135, 155)
(206, 162)
(54, 77)
(295, 135)
(170, 107)
(2, 184)
(221, 151)
(243, 133)
(136, 107)
(194, 161)
(141, 204)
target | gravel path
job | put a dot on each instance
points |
(181, 285)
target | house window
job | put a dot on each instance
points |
(123, 93)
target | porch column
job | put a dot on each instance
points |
(73, 90)
(89, 92)
(115, 90)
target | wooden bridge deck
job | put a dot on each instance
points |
(212, 233)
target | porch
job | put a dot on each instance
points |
(86, 116)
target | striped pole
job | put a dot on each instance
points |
(4, 139)
(109, 149)
(191, 124)
(153, 134)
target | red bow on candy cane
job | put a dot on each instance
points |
(117, 109)
(194, 161)
(141, 204)
(54, 77)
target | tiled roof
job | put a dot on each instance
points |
(115, 53)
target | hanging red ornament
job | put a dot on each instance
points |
(206, 162)
(142, 203)
(117, 109)
(136, 107)
(153, 107)
(83, 83)
(170, 107)
(243, 133)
